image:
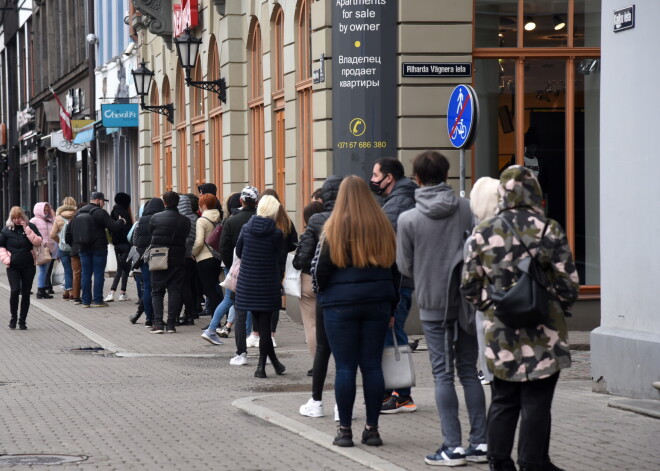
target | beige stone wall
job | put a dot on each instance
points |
(429, 31)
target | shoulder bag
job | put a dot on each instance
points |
(158, 257)
(526, 302)
(41, 255)
(232, 276)
(398, 368)
(292, 282)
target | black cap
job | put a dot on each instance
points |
(97, 195)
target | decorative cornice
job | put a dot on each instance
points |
(156, 16)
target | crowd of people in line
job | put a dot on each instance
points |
(362, 258)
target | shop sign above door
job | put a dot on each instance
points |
(185, 15)
(624, 18)
(120, 116)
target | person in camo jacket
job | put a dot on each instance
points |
(525, 362)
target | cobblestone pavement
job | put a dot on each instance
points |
(172, 402)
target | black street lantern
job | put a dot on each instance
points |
(142, 77)
(187, 47)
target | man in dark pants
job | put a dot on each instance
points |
(228, 240)
(169, 229)
(398, 191)
(94, 257)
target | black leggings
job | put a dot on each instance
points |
(321, 357)
(263, 319)
(20, 284)
(123, 268)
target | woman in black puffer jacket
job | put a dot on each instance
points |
(16, 242)
(259, 284)
(122, 208)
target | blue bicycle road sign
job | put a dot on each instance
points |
(461, 116)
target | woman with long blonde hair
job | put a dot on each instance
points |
(17, 239)
(353, 274)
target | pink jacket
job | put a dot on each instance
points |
(44, 223)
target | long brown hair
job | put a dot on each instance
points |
(358, 233)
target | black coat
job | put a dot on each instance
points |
(141, 236)
(259, 285)
(230, 232)
(310, 238)
(170, 229)
(102, 222)
(350, 286)
(18, 245)
(119, 237)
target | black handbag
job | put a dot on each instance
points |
(526, 303)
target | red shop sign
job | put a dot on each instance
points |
(185, 15)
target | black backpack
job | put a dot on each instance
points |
(84, 228)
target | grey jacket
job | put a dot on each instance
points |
(185, 209)
(428, 238)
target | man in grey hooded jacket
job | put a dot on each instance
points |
(429, 242)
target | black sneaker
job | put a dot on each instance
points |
(344, 437)
(157, 329)
(371, 437)
(170, 330)
(310, 372)
(148, 323)
(396, 404)
(12, 324)
(22, 326)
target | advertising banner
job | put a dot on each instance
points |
(364, 74)
(120, 116)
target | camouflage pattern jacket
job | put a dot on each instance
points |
(491, 263)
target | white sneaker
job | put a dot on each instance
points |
(110, 297)
(312, 408)
(239, 360)
(274, 344)
(337, 414)
(252, 341)
(124, 297)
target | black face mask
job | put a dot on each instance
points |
(375, 186)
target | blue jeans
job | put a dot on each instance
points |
(43, 274)
(222, 309)
(93, 262)
(400, 316)
(65, 258)
(356, 334)
(461, 357)
(146, 292)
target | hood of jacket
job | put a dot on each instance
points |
(404, 188)
(39, 211)
(184, 206)
(519, 188)
(260, 226)
(66, 211)
(436, 202)
(329, 191)
(212, 214)
(155, 205)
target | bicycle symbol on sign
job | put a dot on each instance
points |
(459, 129)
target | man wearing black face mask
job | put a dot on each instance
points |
(398, 192)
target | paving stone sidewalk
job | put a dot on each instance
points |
(173, 402)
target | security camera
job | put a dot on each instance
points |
(92, 38)
(129, 49)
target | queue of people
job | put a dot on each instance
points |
(363, 257)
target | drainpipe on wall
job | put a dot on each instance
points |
(91, 61)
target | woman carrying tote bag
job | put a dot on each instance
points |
(17, 240)
(353, 273)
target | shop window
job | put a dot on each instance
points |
(539, 100)
(256, 107)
